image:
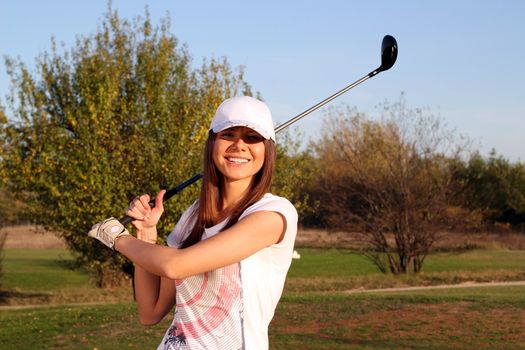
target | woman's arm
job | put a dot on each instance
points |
(251, 234)
(155, 296)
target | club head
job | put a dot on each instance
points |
(388, 52)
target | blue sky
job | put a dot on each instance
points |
(461, 59)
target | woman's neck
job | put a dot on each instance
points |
(233, 192)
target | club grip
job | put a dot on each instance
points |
(125, 220)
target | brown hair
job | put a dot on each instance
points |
(208, 207)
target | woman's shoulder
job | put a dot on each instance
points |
(271, 198)
(272, 202)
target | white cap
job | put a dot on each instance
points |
(244, 111)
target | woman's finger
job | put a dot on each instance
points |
(139, 207)
(159, 200)
(135, 213)
(144, 202)
(144, 199)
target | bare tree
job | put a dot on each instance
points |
(391, 180)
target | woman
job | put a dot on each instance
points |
(227, 257)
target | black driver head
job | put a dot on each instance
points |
(388, 52)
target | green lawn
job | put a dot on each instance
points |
(476, 260)
(338, 262)
(38, 269)
(316, 310)
(35, 276)
(111, 326)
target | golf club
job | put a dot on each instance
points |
(388, 58)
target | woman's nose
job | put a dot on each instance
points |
(239, 143)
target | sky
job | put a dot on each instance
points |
(460, 59)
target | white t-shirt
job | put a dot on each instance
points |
(231, 307)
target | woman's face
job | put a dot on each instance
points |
(238, 153)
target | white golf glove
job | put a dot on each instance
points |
(108, 231)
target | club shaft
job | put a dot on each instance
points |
(325, 101)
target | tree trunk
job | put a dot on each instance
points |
(418, 263)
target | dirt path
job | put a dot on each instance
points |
(443, 286)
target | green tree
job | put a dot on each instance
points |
(122, 113)
(389, 180)
(496, 187)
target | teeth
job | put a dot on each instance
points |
(237, 160)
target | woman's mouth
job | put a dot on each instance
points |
(237, 160)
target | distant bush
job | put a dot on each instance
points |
(496, 188)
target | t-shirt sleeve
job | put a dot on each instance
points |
(282, 206)
(182, 228)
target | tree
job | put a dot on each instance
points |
(122, 113)
(496, 187)
(389, 180)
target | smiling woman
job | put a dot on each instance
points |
(228, 256)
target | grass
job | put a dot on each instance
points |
(476, 260)
(467, 318)
(315, 311)
(112, 326)
(35, 276)
(339, 262)
(36, 269)
(330, 263)
(336, 269)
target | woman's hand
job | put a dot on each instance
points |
(145, 217)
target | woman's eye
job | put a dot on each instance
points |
(227, 135)
(254, 138)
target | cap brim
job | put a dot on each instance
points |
(233, 123)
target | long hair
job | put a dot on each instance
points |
(207, 210)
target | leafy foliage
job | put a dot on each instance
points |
(122, 113)
(496, 187)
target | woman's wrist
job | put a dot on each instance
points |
(148, 235)
(151, 241)
(119, 241)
